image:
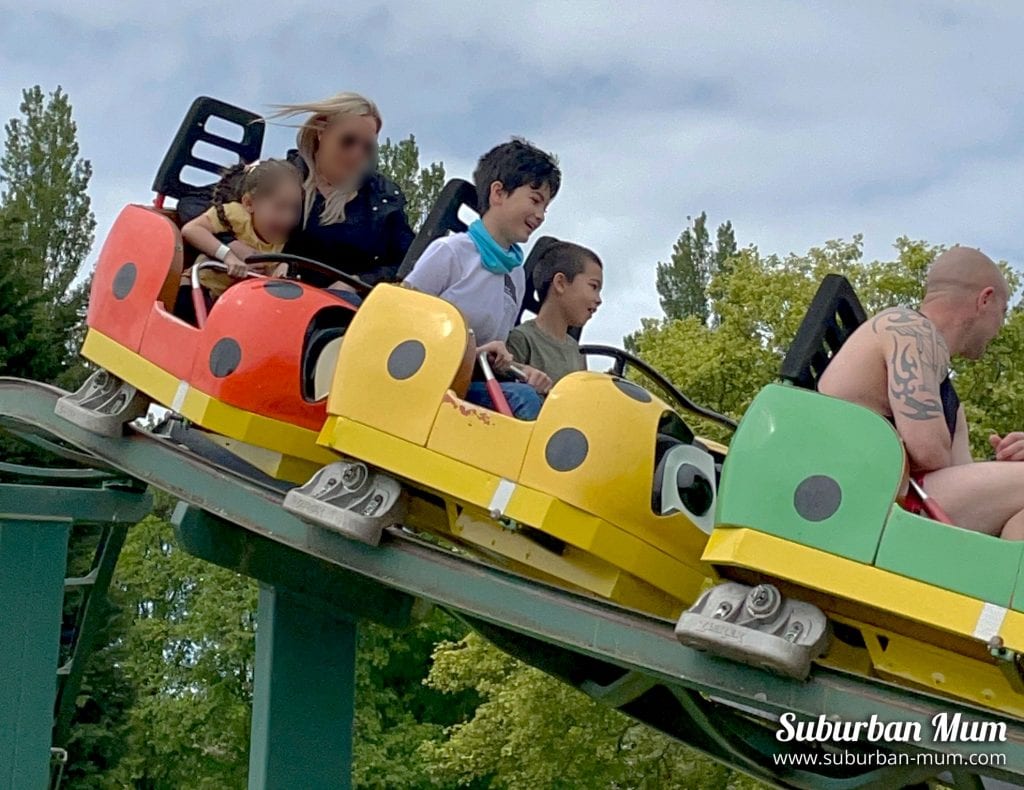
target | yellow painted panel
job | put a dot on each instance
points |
(401, 353)
(469, 485)
(980, 682)
(110, 355)
(572, 566)
(480, 437)
(615, 477)
(210, 413)
(851, 580)
(713, 446)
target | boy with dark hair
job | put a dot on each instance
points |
(568, 279)
(481, 271)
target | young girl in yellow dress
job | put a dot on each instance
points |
(260, 204)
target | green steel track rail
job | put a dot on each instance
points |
(315, 585)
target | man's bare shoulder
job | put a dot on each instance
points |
(902, 330)
(893, 318)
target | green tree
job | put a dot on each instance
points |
(46, 232)
(400, 161)
(762, 299)
(530, 730)
(683, 281)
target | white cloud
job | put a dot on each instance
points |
(798, 121)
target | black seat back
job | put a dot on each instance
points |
(193, 130)
(442, 220)
(531, 300)
(834, 314)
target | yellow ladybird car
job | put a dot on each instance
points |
(607, 490)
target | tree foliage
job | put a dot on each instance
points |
(683, 281)
(762, 299)
(530, 730)
(46, 232)
(400, 161)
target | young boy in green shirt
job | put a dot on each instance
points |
(568, 279)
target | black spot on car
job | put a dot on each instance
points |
(225, 357)
(283, 289)
(635, 391)
(406, 359)
(817, 497)
(124, 280)
(566, 449)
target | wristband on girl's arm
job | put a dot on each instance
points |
(222, 252)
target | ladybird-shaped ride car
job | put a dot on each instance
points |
(810, 525)
(607, 490)
(246, 371)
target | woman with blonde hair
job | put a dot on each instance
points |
(353, 218)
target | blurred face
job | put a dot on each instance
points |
(276, 213)
(580, 297)
(992, 305)
(516, 215)
(346, 147)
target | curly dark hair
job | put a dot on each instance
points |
(515, 164)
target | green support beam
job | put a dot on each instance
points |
(35, 527)
(33, 556)
(215, 540)
(303, 695)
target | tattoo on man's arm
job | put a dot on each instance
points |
(918, 363)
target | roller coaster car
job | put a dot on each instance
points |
(606, 490)
(810, 513)
(248, 373)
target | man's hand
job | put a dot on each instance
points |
(497, 354)
(1009, 447)
(537, 379)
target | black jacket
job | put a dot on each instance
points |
(372, 239)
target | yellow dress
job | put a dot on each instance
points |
(240, 224)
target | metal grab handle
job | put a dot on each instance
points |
(929, 505)
(198, 303)
(624, 358)
(354, 282)
(493, 386)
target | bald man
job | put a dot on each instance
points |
(897, 364)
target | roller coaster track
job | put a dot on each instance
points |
(620, 658)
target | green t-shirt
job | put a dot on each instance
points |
(532, 346)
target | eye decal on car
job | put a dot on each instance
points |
(695, 490)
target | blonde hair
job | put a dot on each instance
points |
(321, 114)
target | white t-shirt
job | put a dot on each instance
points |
(451, 268)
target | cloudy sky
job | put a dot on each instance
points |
(798, 121)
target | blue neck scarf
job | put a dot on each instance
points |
(495, 259)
